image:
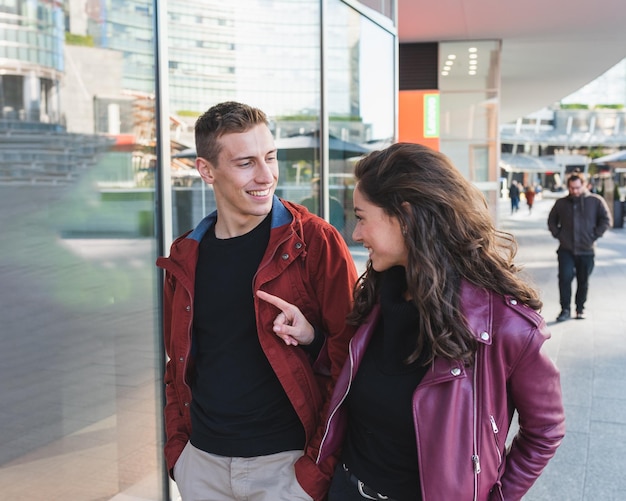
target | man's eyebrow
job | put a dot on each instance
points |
(248, 157)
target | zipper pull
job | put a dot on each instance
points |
(476, 461)
(494, 426)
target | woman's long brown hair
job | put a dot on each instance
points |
(449, 234)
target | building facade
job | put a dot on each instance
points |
(31, 55)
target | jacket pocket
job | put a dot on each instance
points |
(495, 493)
(586, 240)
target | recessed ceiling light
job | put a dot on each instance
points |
(452, 56)
(472, 49)
(472, 72)
(444, 73)
(473, 56)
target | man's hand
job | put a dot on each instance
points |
(290, 324)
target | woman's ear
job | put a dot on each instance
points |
(406, 208)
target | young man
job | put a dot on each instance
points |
(577, 221)
(244, 397)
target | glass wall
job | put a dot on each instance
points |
(322, 73)
(245, 58)
(361, 100)
(469, 84)
(80, 366)
(82, 369)
(253, 64)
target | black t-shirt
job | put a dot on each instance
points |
(239, 408)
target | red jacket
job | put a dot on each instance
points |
(462, 414)
(307, 263)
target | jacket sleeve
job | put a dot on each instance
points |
(176, 430)
(603, 219)
(334, 277)
(553, 220)
(536, 394)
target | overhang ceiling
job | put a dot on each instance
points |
(550, 48)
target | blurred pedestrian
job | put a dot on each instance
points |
(577, 221)
(312, 202)
(529, 193)
(514, 195)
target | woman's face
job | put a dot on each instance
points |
(379, 233)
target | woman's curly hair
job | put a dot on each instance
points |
(449, 234)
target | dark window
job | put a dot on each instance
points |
(418, 66)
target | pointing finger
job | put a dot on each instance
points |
(281, 304)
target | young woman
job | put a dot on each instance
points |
(449, 346)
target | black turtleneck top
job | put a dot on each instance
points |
(380, 449)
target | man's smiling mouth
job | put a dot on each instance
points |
(259, 193)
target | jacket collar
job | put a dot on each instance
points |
(280, 217)
(477, 308)
(476, 305)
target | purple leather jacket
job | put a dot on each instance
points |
(463, 413)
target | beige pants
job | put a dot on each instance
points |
(201, 476)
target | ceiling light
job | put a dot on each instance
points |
(472, 72)
(452, 56)
(472, 49)
(473, 56)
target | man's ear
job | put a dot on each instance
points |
(205, 169)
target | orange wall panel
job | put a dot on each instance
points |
(414, 117)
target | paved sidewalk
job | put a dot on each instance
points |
(591, 355)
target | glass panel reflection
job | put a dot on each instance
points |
(361, 99)
(469, 89)
(224, 51)
(77, 263)
(255, 66)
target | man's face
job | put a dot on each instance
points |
(575, 188)
(244, 180)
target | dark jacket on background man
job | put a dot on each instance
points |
(462, 414)
(305, 260)
(578, 234)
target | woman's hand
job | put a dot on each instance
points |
(290, 324)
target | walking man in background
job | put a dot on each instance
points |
(577, 221)
(246, 385)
